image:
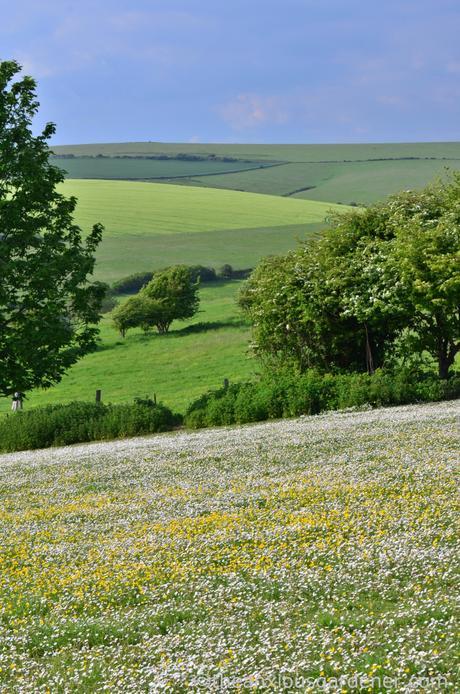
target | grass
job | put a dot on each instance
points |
(334, 173)
(195, 356)
(128, 207)
(146, 168)
(123, 254)
(276, 152)
(152, 225)
(323, 547)
(358, 182)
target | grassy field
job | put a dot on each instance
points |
(358, 182)
(320, 551)
(276, 152)
(333, 173)
(128, 207)
(195, 356)
(121, 255)
(150, 225)
(133, 168)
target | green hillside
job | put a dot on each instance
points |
(178, 367)
(126, 207)
(333, 173)
(150, 225)
(205, 220)
(278, 152)
(137, 168)
(342, 182)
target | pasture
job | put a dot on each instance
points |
(138, 169)
(334, 173)
(150, 225)
(196, 355)
(321, 551)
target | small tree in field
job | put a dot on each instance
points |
(48, 310)
(137, 312)
(176, 294)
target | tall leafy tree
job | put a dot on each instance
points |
(48, 308)
(426, 253)
(347, 299)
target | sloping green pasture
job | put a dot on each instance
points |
(341, 182)
(269, 152)
(334, 173)
(150, 225)
(195, 356)
(138, 168)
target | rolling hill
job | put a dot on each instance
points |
(151, 225)
(359, 173)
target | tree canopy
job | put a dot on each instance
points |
(172, 294)
(378, 284)
(48, 309)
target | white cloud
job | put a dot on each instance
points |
(37, 68)
(252, 110)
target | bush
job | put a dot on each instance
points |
(132, 284)
(285, 393)
(202, 273)
(77, 422)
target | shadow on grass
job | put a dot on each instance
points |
(204, 327)
(193, 329)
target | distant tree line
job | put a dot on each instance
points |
(134, 283)
(379, 287)
(181, 156)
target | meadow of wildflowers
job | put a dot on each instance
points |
(316, 554)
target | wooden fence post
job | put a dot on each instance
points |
(98, 395)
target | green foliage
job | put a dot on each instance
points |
(344, 300)
(131, 284)
(172, 295)
(138, 312)
(226, 272)
(107, 301)
(48, 309)
(203, 274)
(287, 393)
(427, 255)
(77, 422)
(135, 282)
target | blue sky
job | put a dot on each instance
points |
(241, 70)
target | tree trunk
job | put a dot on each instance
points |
(369, 358)
(446, 357)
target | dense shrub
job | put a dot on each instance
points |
(202, 273)
(132, 284)
(289, 394)
(77, 422)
